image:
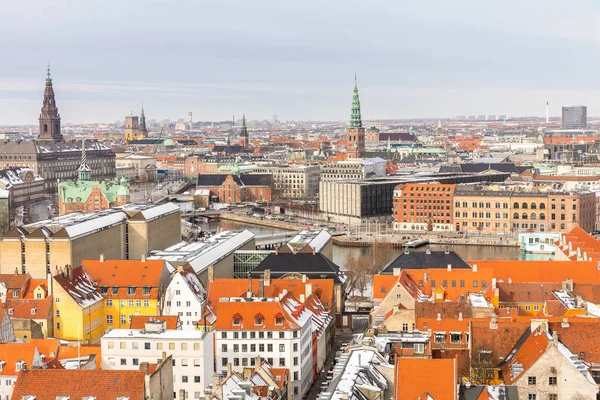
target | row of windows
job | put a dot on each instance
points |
(455, 337)
(453, 282)
(426, 188)
(261, 347)
(245, 361)
(532, 380)
(253, 335)
(131, 290)
(138, 303)
(158, 346)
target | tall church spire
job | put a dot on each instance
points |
(244, 139)
(84, 173)
(355, 117)
(49, 116)
(143, 129)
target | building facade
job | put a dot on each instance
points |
(424, 207)
(192, 353)
(574, 117)
(353, 169)
(293, 181)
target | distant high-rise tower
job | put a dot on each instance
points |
(244, 139)
(49, 117)
(574, 117)
(355, 133)
(143, 129)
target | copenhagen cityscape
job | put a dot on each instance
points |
(320, 200)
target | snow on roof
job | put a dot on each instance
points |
(477, 300)
(158, 211)
(315, 239)
(79, 224)
(354, 372)
(202, 192)
(577, 363)
(202, 254)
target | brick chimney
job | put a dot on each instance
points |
(267, 277)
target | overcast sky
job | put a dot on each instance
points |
(434, 58)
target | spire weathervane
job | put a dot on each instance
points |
(48, 78)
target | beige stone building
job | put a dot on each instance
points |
(128, 232)
(144, 166)
(514, 209)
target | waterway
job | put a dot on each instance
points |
(341, 254)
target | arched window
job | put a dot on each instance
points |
(516, 215)
(533, 206)
(524, 206)
(481, 204)
(516, 205)
(487, 205)
(533, 216)
(542, 206)
(497, 205)
(474, 204)
(542, 216)
(524, 216)
(45, 127)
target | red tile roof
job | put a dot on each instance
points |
(29, 308)
(415, 377)
(526, 355)
(48, 384)
(541, 271)
(80, 286)
(126, 273)
(11, 353)
(15, 281)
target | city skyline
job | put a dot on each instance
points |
(219, 59)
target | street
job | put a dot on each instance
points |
(340, 338)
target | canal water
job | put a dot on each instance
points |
(341, 254)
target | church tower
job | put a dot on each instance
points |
(143, 129)
(244, 139)
(355, 133)
(49, 117)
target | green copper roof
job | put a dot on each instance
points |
(83, 189)
(48, 78)
(355, 118)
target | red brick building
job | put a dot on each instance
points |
(423, 207)
(236, 189)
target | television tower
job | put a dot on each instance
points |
(547, 115)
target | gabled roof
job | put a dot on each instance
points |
(15, 281)
(125, 273)
(413, 378)
(292, 313)
(29, 308)
(50, 384)
(190, 278)
(313, 266)
(11, 353)
(228, 287)
(426, 260)
(80, 287)
(527, 292)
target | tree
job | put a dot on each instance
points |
(357, 270)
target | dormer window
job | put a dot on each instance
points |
(103, 289)
(278, 319)
(15, 293)
(2, 365)
(258, 319)
(33, 311)
(237, 319)
(10, 311)
(131, 291)
(146, 291)
(115, 290)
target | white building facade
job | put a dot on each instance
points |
(192, 351)
(276, 329)
(185, 296)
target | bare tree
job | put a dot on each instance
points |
(357, 269)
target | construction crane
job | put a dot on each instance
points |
(162, 129)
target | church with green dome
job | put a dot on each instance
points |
(87, 195)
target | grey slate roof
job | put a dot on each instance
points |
(426, 260)
(311, 265)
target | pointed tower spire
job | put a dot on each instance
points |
(84, 173)
(142, 125)
(244, 138)
(355, 117)
(49, 116)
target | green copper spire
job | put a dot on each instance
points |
(389, 145)
(355, 119)
(48, 78)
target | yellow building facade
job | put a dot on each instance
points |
(78, 307)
